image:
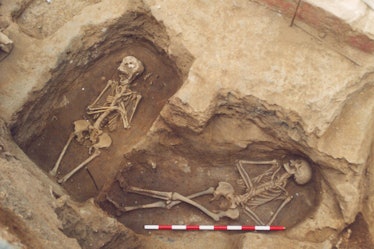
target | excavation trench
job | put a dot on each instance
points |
(165, 159)
(188, 172)
(186, 163)
(161, 82)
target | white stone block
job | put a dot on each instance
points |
(366, 24)
(370, 3)
(347, 10)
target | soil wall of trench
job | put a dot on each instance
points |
(210, 99)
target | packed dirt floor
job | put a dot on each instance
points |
(223, 85)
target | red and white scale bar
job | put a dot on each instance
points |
(214, 228)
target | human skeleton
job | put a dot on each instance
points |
(260, 190)
(121, 101)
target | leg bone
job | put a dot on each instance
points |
(159, 204)
(173, 196)
(80, 166)
(53, 172)
(270, 162)
(179, 197)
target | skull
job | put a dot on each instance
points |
(300, 169)
(131, 66)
